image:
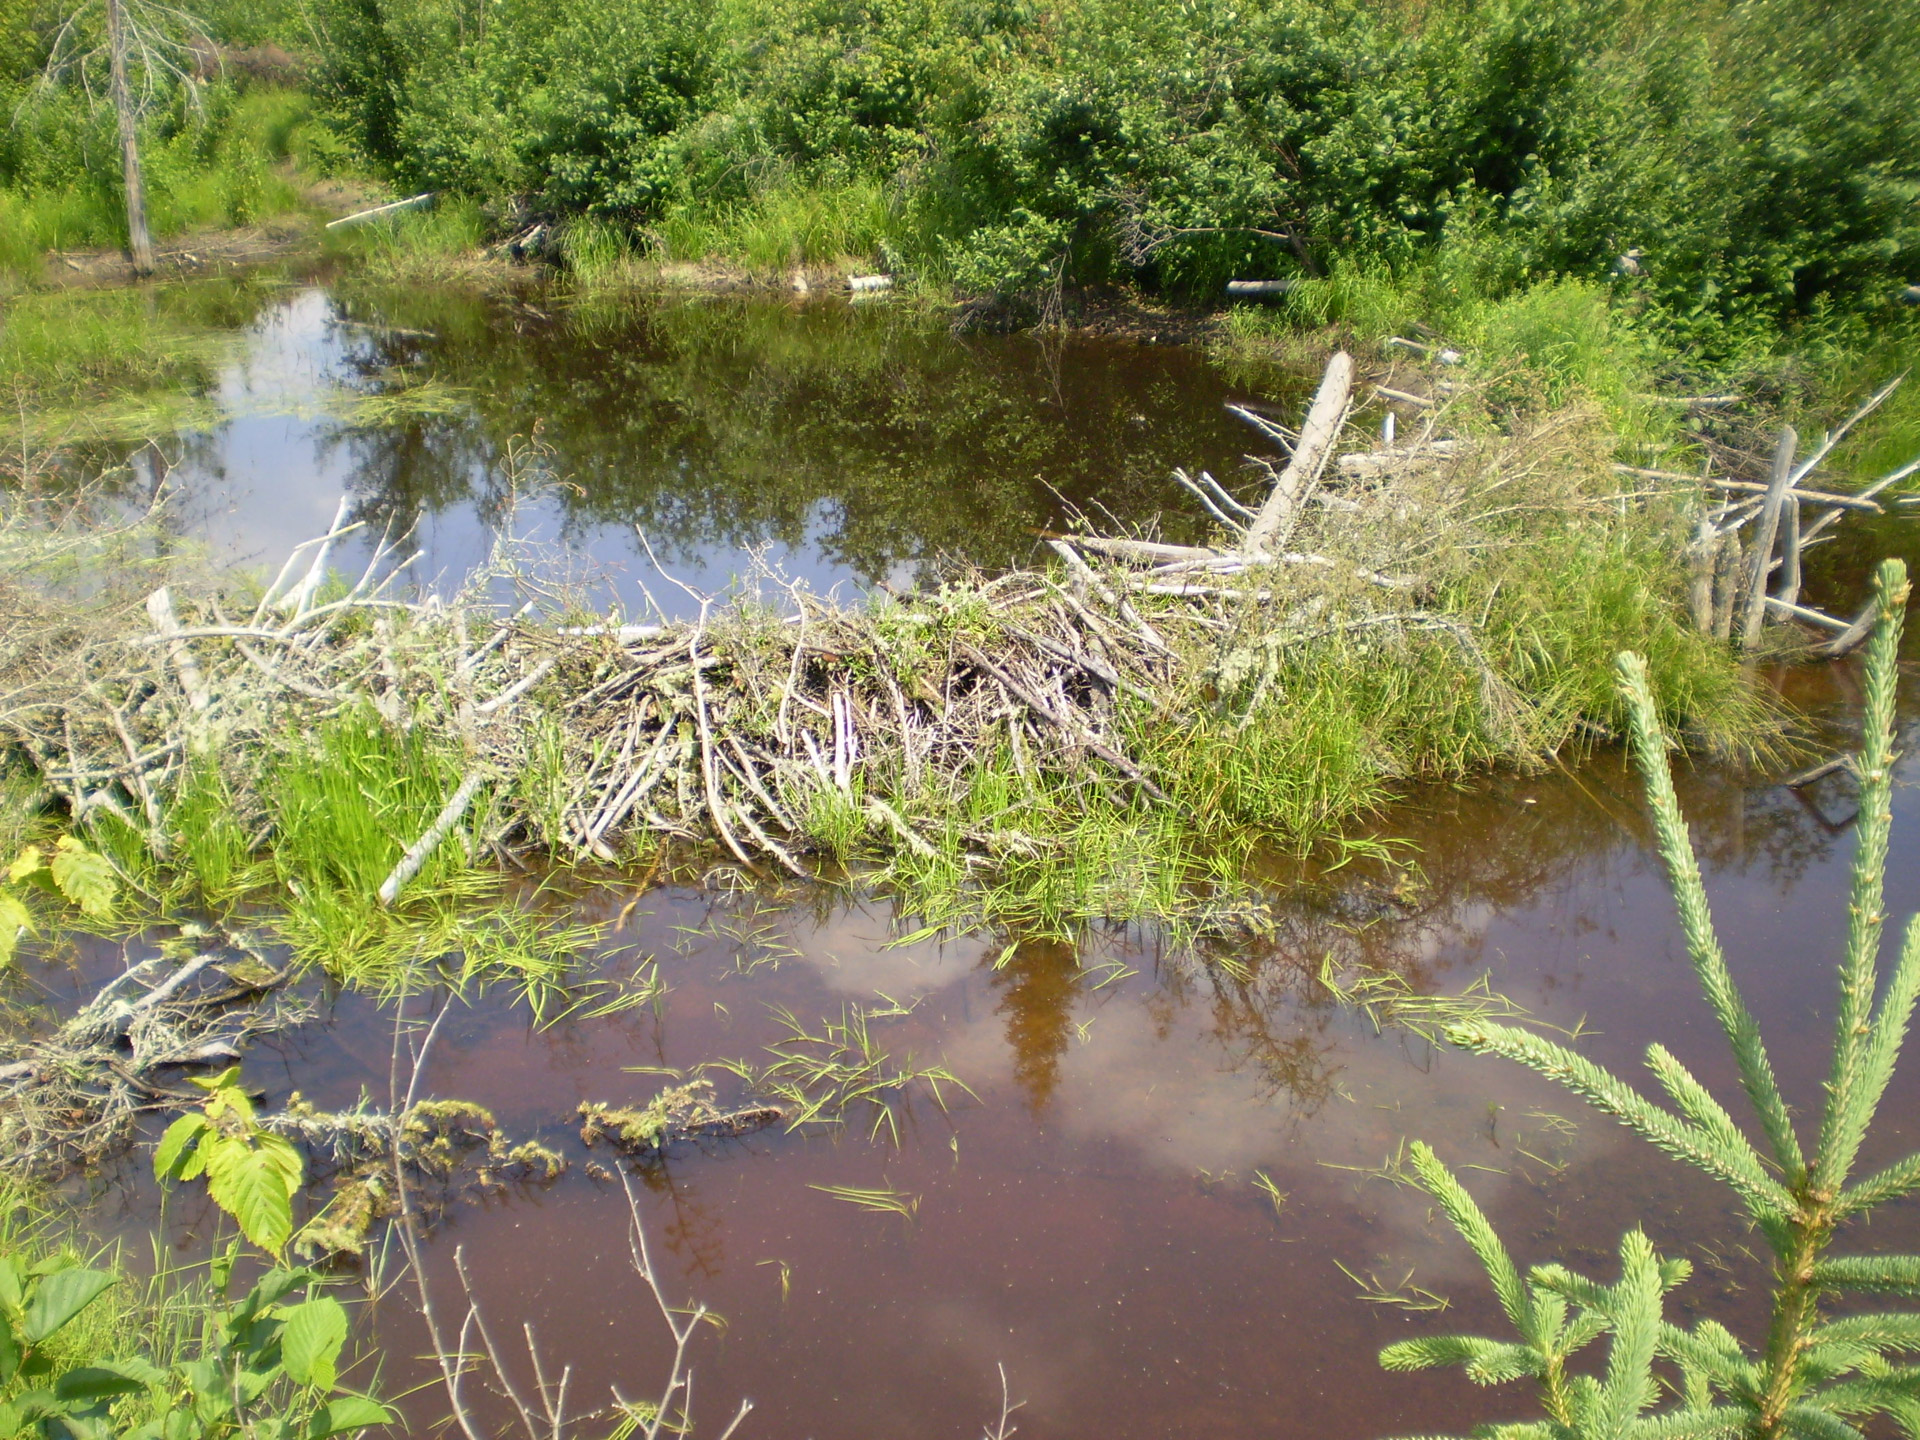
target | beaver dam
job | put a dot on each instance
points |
(268, 812)
(1381, 613)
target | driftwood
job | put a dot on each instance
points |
(74, 1093)
(742, 728)
(412, 202)
(1764, 535)
(1745, 555)
(422, 849)
(1273, 525)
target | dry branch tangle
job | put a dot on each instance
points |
(743, 727)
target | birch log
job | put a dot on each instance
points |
(418, 853)
(1274, 524)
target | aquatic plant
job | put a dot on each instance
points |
(1816, 1375)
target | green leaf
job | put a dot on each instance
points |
(105, 1378)
(172, 1152)
(9, 1352)
(310, 1341)
(275, 1285)
(61, 1297)
(346, 1413)
(250, 1185)
(85, 877)
(27, 864)
(15, 920)
(13, 1283)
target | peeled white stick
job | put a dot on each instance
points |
(424, 847)
(1764, 535)
(160, 611)
(1275, 520)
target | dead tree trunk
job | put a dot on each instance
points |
(139, 238)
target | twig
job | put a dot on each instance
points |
(418, 853)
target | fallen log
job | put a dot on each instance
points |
(1273, 524)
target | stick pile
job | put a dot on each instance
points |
(758, 730)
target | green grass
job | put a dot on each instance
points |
(241, 160)
(84, 364)
(852, 225)
(433, 244)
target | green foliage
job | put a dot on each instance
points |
(73, 873)
(267, 1365)
(1757, 160)
(1815, 1375)
(229, 153)
(251, 1173)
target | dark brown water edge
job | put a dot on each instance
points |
(1091, 1220)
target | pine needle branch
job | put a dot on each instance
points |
(1847, 1114)
(1696, 922)
(1762, 1194)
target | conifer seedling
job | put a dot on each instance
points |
(1813, 1376)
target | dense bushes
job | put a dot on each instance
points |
(1727, 166)
(1758, 157)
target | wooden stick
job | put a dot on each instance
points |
(1853, 636)
(1138, 549)
(1867, 494)
(160, 611)
(1046, 712)
(1275, 521)
(1706, 544)
(1790, 553)
(1764, 535)
(418, 853)
(1726, 583)
(1805, 468)
(412, 202)
(1817, 772)
(1802, 612)
(1862, 501)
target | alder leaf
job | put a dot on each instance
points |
(310, 1341)
(15, 920)
(170, 1156)
(250, 1185)
(85, 877)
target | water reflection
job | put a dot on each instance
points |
(849, 444)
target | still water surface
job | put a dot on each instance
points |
(1089, 1218)
(847, 445)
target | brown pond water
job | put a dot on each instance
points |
(1090, 1220)
(1089, 1217)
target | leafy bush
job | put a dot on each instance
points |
(188, 1364)
(1754, 162)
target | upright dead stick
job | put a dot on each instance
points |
(1701, 554)
(418, 853)
(1790, 552)
(1764, 535)
(1275, 521)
